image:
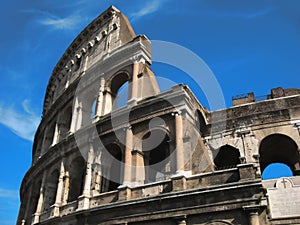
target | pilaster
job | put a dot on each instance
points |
(41, 200)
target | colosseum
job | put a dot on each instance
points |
(162, 158)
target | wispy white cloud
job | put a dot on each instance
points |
(56, 22)
(5, 193)
(67, 23)
(23, 124)
(149, 8)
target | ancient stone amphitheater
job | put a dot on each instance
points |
(162, 158)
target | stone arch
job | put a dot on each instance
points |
(51, 189)
(88, 100)
(76, 177)
(65, 121)
(200, 121)
(227, 157)
(37, 149)
(115, 83)
(112, 167)
(279, 148)
(156, 155)
(49, 135)
(34, 196)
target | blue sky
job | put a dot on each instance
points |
(251, 45)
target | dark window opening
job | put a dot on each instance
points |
(76, 171)
(279, 148)
(156, 156)
(227, 157)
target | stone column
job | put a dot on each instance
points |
(66, 188)
(135, 71)
(98, 183)
(107, 104)
(84, 200)
(253, 218)
(99, 103)
(40, 201)
(60, 190)
(128, 158)
(138, 175)
(79, 116)
(97, 171)
(56, 132)
(74, 117)
(253, 214)
(179, 143)
(88, 172)
(134, 83)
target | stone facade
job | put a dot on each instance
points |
(94, 163)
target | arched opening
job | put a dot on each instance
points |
(37, 150)
(156, 152)
(88, 103)
(77, 63)
(51, 189)
(93, 110)
(200, 122)
(122, 96)
(49, 136)
(65, 122)
(76, 173)
(279, 148)
(119, 88)
(112, 167)
(276, 170)
(227, 157)
(34, 197)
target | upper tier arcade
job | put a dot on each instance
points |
(106, 33)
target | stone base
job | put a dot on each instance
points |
(83, 202)
(54, 210)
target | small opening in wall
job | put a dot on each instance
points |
(93, 112)
(279, 149)
(77, 63)
(227, 157)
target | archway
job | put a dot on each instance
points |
(65, 122)
(49, 136)
(34, 197)
(156, 152)
(200, 122)
(112, 166)
(88, 103)
(279, 148)
(51, 189)
(227, 157)
(122, 96)
(76, 173)
(119, 87)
